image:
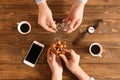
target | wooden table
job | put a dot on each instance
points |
(14, 46)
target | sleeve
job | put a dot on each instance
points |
(92, 78)
(84, 1)
(39, 1)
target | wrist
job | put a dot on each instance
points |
(79, 3)
(80, 74)
(57, 76)
(75, 69)
(40, 1)
(42, 4)
(83, 1)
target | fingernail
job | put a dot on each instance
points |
(60, 54)
(68, 22)
(68, 31)
(64, 29)
(71, 27)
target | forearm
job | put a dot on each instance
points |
(81, 75)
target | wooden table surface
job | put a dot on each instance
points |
(14, 46)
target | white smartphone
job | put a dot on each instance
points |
(33, 53)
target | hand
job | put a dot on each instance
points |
(75, 16)
(71, 60)
(55, 65)
(45, 18)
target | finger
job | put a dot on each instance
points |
(74, 27)
(77, 24)
(47, 23)
(47, 28)
(55, 22)
(53, 56)
(49, 57)
(58, 59)
(64, 58)
(48, 52)
(70, 51)
(52, 23)
(72, 23)
(65, 20)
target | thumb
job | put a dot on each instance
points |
(64, 58)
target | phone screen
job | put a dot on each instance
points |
(34, 53)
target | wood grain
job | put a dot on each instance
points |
(14, 46)
(19, 71)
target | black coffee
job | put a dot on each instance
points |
(95, 49)
(24, 27)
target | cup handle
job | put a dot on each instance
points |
(100, 55)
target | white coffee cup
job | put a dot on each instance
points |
(96, 49)
(24, 27)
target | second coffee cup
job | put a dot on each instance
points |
(96, 49)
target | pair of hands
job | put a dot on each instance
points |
(74, 18)
(71, 60)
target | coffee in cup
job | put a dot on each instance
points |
(24, 27)
(96, 49)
